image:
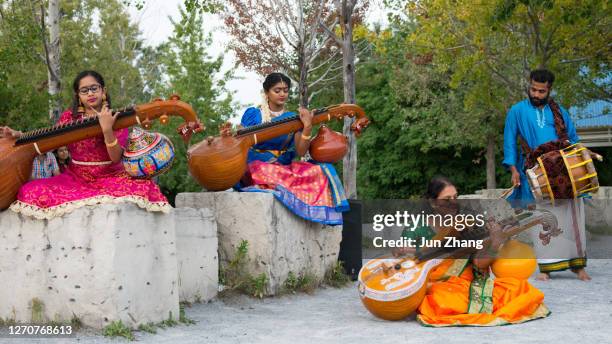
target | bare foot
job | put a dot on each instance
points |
(543, 276)
(582, 274)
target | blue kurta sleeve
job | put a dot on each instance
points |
(571, 129)
(251, 117)
(510, 132)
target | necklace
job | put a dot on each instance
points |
(277, 113)
(541, 119)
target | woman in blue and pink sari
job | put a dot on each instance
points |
(311, 190)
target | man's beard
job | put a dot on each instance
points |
(538, 102)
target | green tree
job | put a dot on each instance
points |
(152, 71)
(199, 80)
(413, 135)
(98, 35)
(489, 48)
(24, 98)
(93, 35)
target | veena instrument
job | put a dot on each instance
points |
(218, 163)
(17, 155)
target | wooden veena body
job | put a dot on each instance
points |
(393, 288)
(581, 177)
(16, 156)
(219, 163)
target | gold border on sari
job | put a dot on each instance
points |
(481, 296)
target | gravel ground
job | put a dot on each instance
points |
(581, 313)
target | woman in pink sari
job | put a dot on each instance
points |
(95, 174)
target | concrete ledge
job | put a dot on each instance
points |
(196, 246)
(98, 264)
(279, 241)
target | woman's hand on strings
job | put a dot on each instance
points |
(306, 118)
(6, 132)
(495, 233)
(302, 138)
(107, 119)
(225, 129)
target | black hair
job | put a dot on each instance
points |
(435, 187)
(274, 78)
(75, 88)
(542, 75)
(57, 158)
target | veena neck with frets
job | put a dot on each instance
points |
(271, 129)
(49, 138)
(509, 227)
(218, 163)
(67, 127)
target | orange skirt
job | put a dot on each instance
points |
(465, 300)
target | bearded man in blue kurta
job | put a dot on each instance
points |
(535, 121)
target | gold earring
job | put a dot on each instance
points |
(104, 102)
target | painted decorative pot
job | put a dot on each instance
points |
(147, 154)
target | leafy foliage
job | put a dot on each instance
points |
(235, 277)
(414, 133)
(441, 80)
(118, 329)
(336, 277)
(304, 282)
(24, 100)
(437, 85)
(489, 48)
(197, 77)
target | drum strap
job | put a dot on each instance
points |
(562, 142)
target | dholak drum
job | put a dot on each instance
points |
(564, 174)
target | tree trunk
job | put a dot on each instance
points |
(303, 77)
(303, 86)
(490, 157)
(349, 163)
(53, 60)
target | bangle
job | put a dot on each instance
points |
(112, 144)
(304, 137)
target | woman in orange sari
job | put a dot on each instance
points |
(461, 292)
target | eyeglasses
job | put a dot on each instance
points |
(92, 88)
